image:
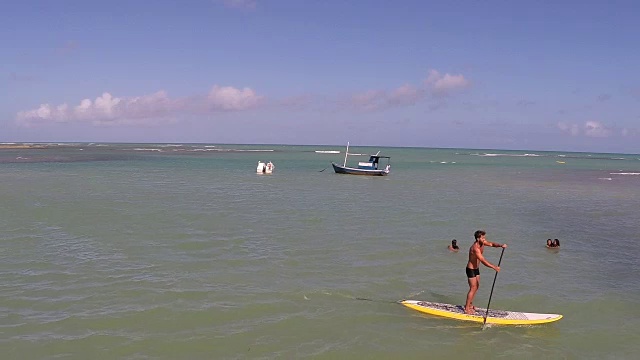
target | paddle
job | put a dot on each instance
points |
(491, 294)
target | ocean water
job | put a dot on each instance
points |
(182, 251)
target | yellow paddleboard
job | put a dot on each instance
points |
(499, 317)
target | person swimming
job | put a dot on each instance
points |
(454, 246)
(556, 243)
(549, 243)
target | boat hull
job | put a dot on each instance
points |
(355, 171)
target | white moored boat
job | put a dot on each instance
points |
(261, 167)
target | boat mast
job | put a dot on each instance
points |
(345, 155)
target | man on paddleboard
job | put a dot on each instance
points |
(473, 267)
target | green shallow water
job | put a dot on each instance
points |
(117, 252)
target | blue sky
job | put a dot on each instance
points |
(538, 75)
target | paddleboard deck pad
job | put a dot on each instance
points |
(500, 317)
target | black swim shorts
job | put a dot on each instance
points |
(471, 273)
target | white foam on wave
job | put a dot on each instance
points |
(171, 145)
(62, 144)
(145, 149)
(233, 150)
(625, 173)
(327, 151)
(511, 155)
(206, 150)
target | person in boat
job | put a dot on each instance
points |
(549, 243)
(556, 243)
(454, 246)
(473, 267)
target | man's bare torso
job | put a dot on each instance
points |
(474, 262)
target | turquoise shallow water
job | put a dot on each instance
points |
(146, 251)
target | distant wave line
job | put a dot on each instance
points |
(209, 149)
(588, 156)
(143, 149)
(492, 155)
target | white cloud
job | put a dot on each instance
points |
(230, 98)
(153, 108)
(369, 100)
(157, 105)
(436, 85)
(378, 99)
(406, 95)
(596, 129)
(446, 84)
(572, 129)
(589, 128)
